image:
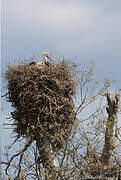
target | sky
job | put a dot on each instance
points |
(87, 30)
(81, 30)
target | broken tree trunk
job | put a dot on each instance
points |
(112, 110)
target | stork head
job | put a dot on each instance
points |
(46, 57)
(45, 54)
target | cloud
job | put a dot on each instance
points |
(54, 15)
(57, 20)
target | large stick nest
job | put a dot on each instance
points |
(42, 101)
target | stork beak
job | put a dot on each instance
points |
(50, 58)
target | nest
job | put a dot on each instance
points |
(42, 97)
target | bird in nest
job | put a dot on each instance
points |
(45, 62)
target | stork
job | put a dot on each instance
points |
(45, 62)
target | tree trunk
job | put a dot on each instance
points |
(47, 160)
(109, 134)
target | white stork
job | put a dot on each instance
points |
(46, 57)
(42, 63)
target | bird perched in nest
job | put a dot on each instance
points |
(45, 62)
(46, 57)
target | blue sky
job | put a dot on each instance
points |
(89, 30)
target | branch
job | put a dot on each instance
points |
(20, 153)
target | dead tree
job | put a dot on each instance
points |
(112, 110)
